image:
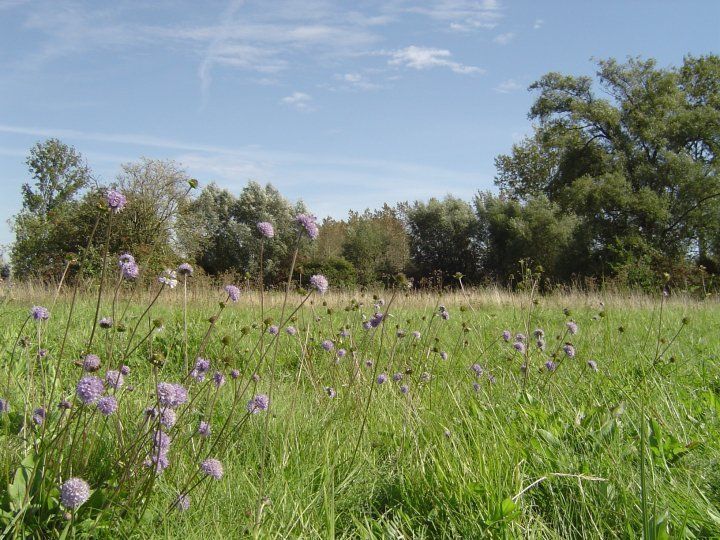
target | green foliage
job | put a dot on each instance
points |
(339, 271)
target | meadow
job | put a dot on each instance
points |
(389, 415)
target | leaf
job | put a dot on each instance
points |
(549, 437)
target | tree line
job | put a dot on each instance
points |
(618, 181)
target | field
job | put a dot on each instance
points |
(622, 446)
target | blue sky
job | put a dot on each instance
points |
(343, 104)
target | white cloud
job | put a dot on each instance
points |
(504, 39)
(462, 15)
(538, 24)
(426, 58)
(507, 86)
(299, 101)
(355, 81)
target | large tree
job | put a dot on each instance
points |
(633, 156)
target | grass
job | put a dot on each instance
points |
(544, 455)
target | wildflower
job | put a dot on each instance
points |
(74, 492)
(540, 344)
(159, 462)
(327, 345)
(38, 415)
(185, 270)
(218, 379)
(523, 369)
(519, 346)
(168, 417)
(204, 429)
(212, 467)
(201, 368)
(550, 365)
(273, 330)
(476, 386)
(416, 334)
(266, 229)
(308, 223)
(130, 270)
(520, 337)
(106, 322)
(182, 503)
(572, 327)
(397, 377)
(376, 319)
(114, 379)
(233, 292)
(368, 363)
(445, 315)
(64, 405)
(330, 391)
(91, 362)
(367, 325)
(491, 378)
(125, 258)
(171, 395)
(506, 335)
(4, 406)
(569, 350)
(258, 403)
(125, 370)
(400, 333)
(341, 353)
(381, 378)
(161, 442)
(320, 283)
(425, 376)
(477, 369)
(447, 433)
(234, 373)
(169, 278)
(116, 201)
(444, 355)
(539, 333)
(344, 333)
(107, 405)
(40, 313)
(592, 365)
(42, 353)
(89, 389)
(255, 377)
(291, 330)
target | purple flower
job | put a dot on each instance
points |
(38, 415)
(491, 378)
(64, 405)
(376, 319)
(124, 259)
(404, 389)
(344, 333)
(569, 350)
(330, 391)
(74, 492)
(341, 353)
(168, 417)
(218, 379)
(539, 333)
(185, 270)
(130, 270)
(506, 335)
(266, 229)
(169, 278)
(161, 442)
(212, 467)
(540, 343)
(89, 389)
(397, 377)
(106, 322)
(308, 223)
(416, 334)
(171, 395)
(368, 363)
(550, 365)
(182, 503)
(234, 373)
(381, 378)
(107, 405)
(273, 330)
(519, 346)
(592, 365)
(125, 370)
(159, 461)
(258, 403)
(291, 330)
(327, 345)
(477, 369)
(91, 362)
(116, 200)
(476, 386)
(201, 368)
(255, 377)
(443, 355)
(114, 379)
(445, 315)
(367, 325)
(40, 313)
(233, 292)
(572, 327)
(4, 406)
(204, 429)
(425, 376)
(520, 337)
(320, 283)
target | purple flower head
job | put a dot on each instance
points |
(125, 370)
(218, 379)
(425, 376)
(443, 355)
(114, 379)
(308, 224)
(416, 334)
(168, 417)
(273, 330)
(233, 292)
(159, 462)
(255, 377)
(116, 201)
(320, 283)
(491, 378)
(520, 337)
(185, 270)
(540, 343)
(327, 345)
(569, 350)
(291, 330)
(171, 395)
(266, 229)
(106, 322)
(368, 363)
(519, 346)
(258, 403)
(201, 368)
(42, 353)
(169, 278)
(506, 335)
(182, 503)
(341, 353)
(64, 405)
(523, 368)
(89, 389)
(38, 415)
(204, 429)
(107, 405)
(445, 315)
(130, 270)
(397, 377)
(477, 369)
(592, 365)
(404, 388)
(376, 319)
(344, 333)
(550, 365)
(161, 442)
(125, 258)
(91, 362)
(381, 378)
(330, 391)
(212, 467)
(74, 492)
(572, 327)
(4, 406)
(40, 313)
(367, 325)
(234, 373)
(539, 333)
(476, 386)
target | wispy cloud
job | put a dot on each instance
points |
(355, 81)
(504, 39)
(508, 86)
(462, 15)
(538, 24)
(299, 101)
(427, 58)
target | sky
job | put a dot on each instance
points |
(343, 104)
